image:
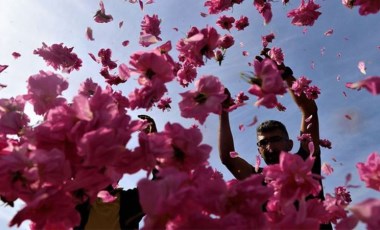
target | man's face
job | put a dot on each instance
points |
(270, 144)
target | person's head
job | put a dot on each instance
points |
(272, 138)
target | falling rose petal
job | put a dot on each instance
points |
(148, 39)
(149, 2)
(176, 29)
(125, 43)
(203, 14)
(254, 121)
(362, 67)
(234, 154)
(327, 169)
(121, 24)
(93, 57)
(344, 94)
(311, 148)
(141, 5)
(245, 53)
(3, 67)
(101, 16)
(346, 38)
(372, 84)
(309, 118)
(325, 143)
(304, 31)
(338, 77)
(241, 44)
(16, 55)
(124, 72)
(338, 55)
(89, 35)
(309, 126)
(348, 117)
(241, 127)
(258, 162)
(329, 32)
(2, 86)
(334, 159)
(106, 197)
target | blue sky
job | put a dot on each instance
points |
(26, 24)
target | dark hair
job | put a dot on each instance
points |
(271, 125)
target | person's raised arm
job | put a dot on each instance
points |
(240, 168)
(309, 120)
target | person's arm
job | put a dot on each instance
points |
(240, 168)
(308, 109)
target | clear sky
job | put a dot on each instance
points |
(330, 61)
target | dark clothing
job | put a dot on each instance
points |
(130, 212)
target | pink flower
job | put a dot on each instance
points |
(226, 41)
(164, 104)
(367, 7)
(267, 39)
(370, 171)
(372, 84)
(88, 87)
(147, 96)
(265, 9)
(217, 6)
(325, 143)
(101, 16)
(105, 58)
(327, 169)
(225, 22)
(305, 14)
(13, 119)
(186, 74)
(301, 85)
(368, 212)
(49, 207)
(199, 43)
(292, 178)
(241, 23)
(152, 66)
(187, 151)
(276, 55)
(205, 99)
(44, 90)
(89, 35)
(267, 84)
(150, 30)
(59, 57)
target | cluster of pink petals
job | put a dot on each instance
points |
(59, 57)
(370, 171)
(265, 9)
(150, 30)
(292, 178)
(372, 84)
(301, 85)
(13, 120)
(270, 83)
(44, 91)
(367, 212)
(199, 44)
(365, 7)
(217, 6)
(101, 16)
(276, 55)
(267, 39)
(306, 14)
(206, 98)
(225, 22)
(242, 23)
(155, 69)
